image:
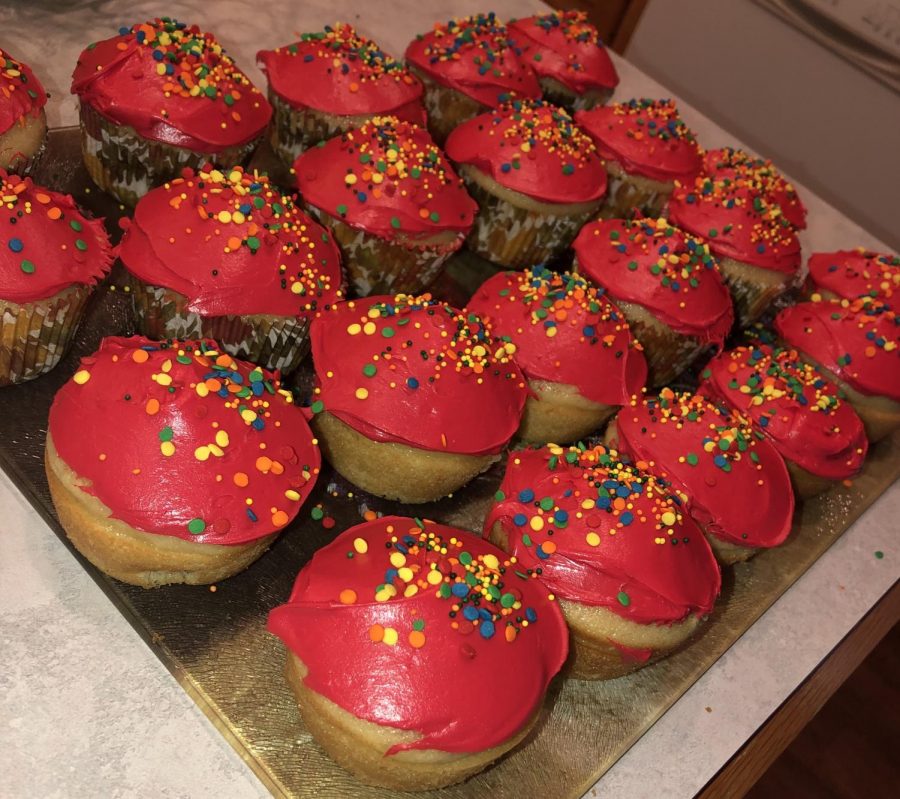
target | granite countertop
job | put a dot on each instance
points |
(86, 709)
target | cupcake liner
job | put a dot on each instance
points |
(294, 130)
(751, 298)
(626, 192)
(555, 92)
(34, 336)
(125, 164)
(24, 165)
(275, 342)
(446, 107)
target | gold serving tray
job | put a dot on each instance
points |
(214, 640)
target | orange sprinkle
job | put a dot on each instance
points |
(152, 406)
(280, 518)
(417, 639)
(347, 596)
(376, 633)
(263, 463)
(241, 480)
(140, 356)
(549, 547)
(54, 213)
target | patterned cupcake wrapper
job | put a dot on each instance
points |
(446, 107)
(751, 300)
(126, 165)
(294, 130)
(34, 336)
(516, 237)
(554, 92)
(625, 193)
(275, 342)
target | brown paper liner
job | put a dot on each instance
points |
(34, 336)
(555, 92)
(752, 297)
(274, 342)
(625, 192)
(446, 107)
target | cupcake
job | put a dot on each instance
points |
(856, 343)
(175, 463)
(633, 574)
(734, 481)
(23, 122)
(819, 435)
(573, 346)
(565, 51)
(225, 255)
(50, 260)
(392, 201)
(849, 274)
(467, 66)
(332, 82)
(647, 148)
(759, 175)
(536, 177)
(418, 653)
(159, 97)
(757, 248)
(413, 398)
(667, 285)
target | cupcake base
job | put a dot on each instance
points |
(558, 414)
(625, 192)
(446, 107)
(806, 484)
(555, 92)
(23, 144)
(752, 288)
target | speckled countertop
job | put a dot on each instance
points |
(75, 724)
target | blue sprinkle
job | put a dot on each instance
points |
(362, 196)
(519, 520)
(460, 589)
(390, 575)
(589, 331)
(527, 495)
(16, 245)
(470, 613)
(412, 382)
(252, 515)
(157, 55)
(530, 614)
(487, 629)
(541, 554)
(258, 424)
(626, 518)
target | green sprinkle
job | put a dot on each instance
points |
(342, 209)
(395, 222)
(388, 332)
(419, 625)
(27, 267)
(76, 226)
(317, 407)
(317, 514)
(196, 526)
(370, 370)
(624, 599)
(166, 434)
(465, 558)
(499, 496)
(879, 554)
(691, 458)
(81, 244)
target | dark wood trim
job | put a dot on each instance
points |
(627, 24)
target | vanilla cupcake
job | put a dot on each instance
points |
(23, 121)
(848, 274)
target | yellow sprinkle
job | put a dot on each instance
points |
(405, 574)
(434, 577)
(292, 495)
(411, 590)
(354, 329)
(593, 539)
(224, 217)
(81, 377)
(491, 561)
(537, 523)
(397, 559)
(362, 393)
(164, 380)
(360, 545)
(369, 328)
(167, 448)
(202, 453)
(202, 390)
(390, 636)
(222, 438)
(668, 518)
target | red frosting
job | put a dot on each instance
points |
(564, 331)
(737, 223)
(796, 408)
(858, 340)
(854, 273)
(177, 439)
(604, 533)
(422, 627)
(651, 263)
(736, 483)
(417, 372)
(476, 56)
(46, 244)
(564, 46)
(645, 137)
(534, 148)
(386, 177)
(21, 93)
(232, 244)
(173, 84)
(760, 176)
(341, 72)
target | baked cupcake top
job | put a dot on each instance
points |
(418, 372)
(232, 243)
(388, 178)
(857, 340)
(476, 56)
(340, 72)
(21, 93)
(48, 245)
(645, 137)
(855, 273)
(599, 531)
(652, 263)
(564, 331)
(564, 46)
(759, 175)
(736, 483)
(440, 633)
(531, 147)
(172, 83)
(736, 223)
(180, 439)
(797, 408)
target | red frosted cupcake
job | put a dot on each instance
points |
(173, 462)
(633, 574)
(536, 177)
(467, 66)
(856, 343)
(760, 176)
(225, 255)
(647, 148)
(736, 485)
(418, 607)
(331, 82)
(573, 346)
(849, 274)
(392, 201)
(818, 434)
(666, 283)
(571, 63)
(757, 248)
(23, 121)
(51, 257)
(159, 97)
(414, 398)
